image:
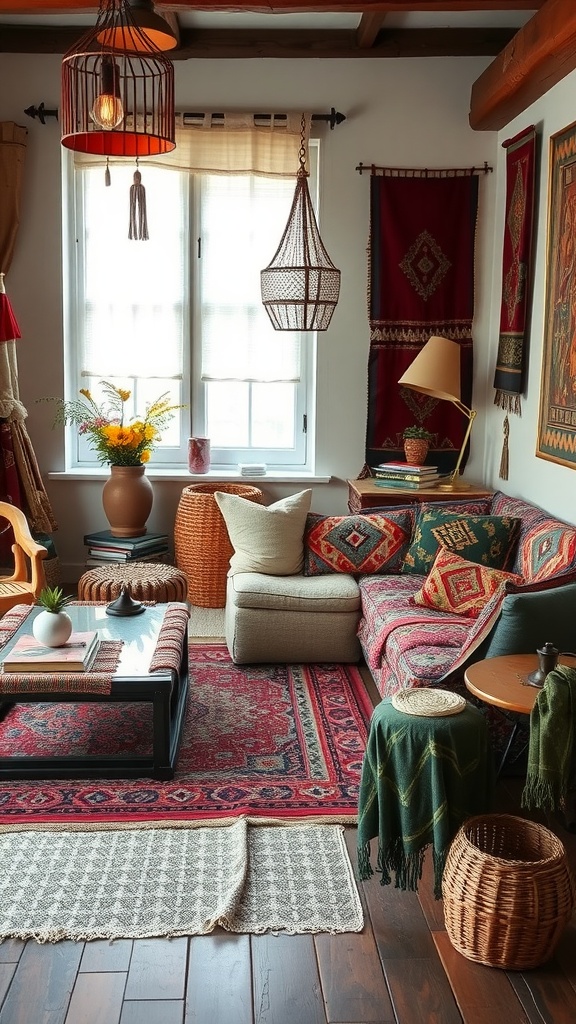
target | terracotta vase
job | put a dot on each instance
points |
(127, 498)
(416, 450)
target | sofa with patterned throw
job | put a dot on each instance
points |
(449, 606)
(418, 590)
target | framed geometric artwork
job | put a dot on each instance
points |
(557, 418)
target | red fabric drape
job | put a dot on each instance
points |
(20, 479)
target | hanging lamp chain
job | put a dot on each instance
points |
(302, 172)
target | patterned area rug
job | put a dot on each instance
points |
(268, 742)
(165, 882)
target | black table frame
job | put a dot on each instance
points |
(167, 691)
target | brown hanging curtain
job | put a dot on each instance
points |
(20, 480)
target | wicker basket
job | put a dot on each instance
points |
(201, 543)
(508, 891)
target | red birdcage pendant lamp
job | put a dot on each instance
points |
(301, 286)
(118, 100)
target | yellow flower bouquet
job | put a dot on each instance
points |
(116, 441)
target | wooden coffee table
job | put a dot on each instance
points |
(165, 691)
(503, 682)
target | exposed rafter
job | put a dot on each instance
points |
(30, 7)
(540, 54)
(368, 29)
(372, 38)
(240, 43)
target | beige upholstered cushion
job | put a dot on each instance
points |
(336, 593)
(266, 538)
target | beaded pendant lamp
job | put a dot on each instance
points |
(118, 86)
(301, 286)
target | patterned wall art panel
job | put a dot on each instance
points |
(557, 418)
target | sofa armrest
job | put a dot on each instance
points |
(528, 620)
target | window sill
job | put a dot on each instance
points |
(182, 475)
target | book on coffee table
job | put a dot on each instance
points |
(76, 655)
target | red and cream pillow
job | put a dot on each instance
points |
(366, 543)
(461, 587)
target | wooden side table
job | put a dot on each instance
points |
(366, 493)
(503, 682)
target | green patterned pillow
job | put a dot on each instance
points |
(488, 540)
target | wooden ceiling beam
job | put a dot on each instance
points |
(540, 54)
(368, 29)
(342, 6)
(243, 43)
(35, 7)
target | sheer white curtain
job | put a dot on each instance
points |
(246, 172)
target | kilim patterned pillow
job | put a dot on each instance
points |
(369, 543)
(546, 547)
(460, 587)
(547, 550)
(489, 540)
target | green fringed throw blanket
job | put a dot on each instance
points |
(421, 778)
(550, 773)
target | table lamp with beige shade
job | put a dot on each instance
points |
(436, 372)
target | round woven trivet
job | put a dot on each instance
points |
(430, 703)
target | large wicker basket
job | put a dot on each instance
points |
(202, 546)
(508, 891)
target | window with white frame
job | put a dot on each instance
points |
(181, 313)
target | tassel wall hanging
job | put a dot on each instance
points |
(138, 220)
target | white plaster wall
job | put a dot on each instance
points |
(407, 113)
(546, 483)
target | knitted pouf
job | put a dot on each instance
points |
(146, 581)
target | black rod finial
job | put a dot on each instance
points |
(41, 113)
(336, 118)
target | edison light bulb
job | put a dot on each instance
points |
(107, 110)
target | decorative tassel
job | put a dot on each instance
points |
(107, 173)
(504, 456)
(508, 401)
(138, 220)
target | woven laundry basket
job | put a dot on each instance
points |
(202, 546)
(508, 891)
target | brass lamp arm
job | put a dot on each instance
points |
(471, 414)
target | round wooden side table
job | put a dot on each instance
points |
(503, 682)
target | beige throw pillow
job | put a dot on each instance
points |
(266, 538)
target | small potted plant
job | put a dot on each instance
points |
(52, 626)
(416, 444)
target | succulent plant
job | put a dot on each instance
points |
(53, 599)
(416, 432)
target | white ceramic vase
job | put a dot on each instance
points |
(52, 629)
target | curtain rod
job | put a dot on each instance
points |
(334, 118)
(423, 172)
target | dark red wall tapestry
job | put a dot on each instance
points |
(421, 283)
(516, 278)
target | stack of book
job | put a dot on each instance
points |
(104, 548)
(76, 655)
(404, 476)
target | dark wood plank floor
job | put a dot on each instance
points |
(401, 969)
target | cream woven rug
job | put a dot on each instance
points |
(136, 883)
(206, 622)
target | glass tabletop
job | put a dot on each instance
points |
(138, 632)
